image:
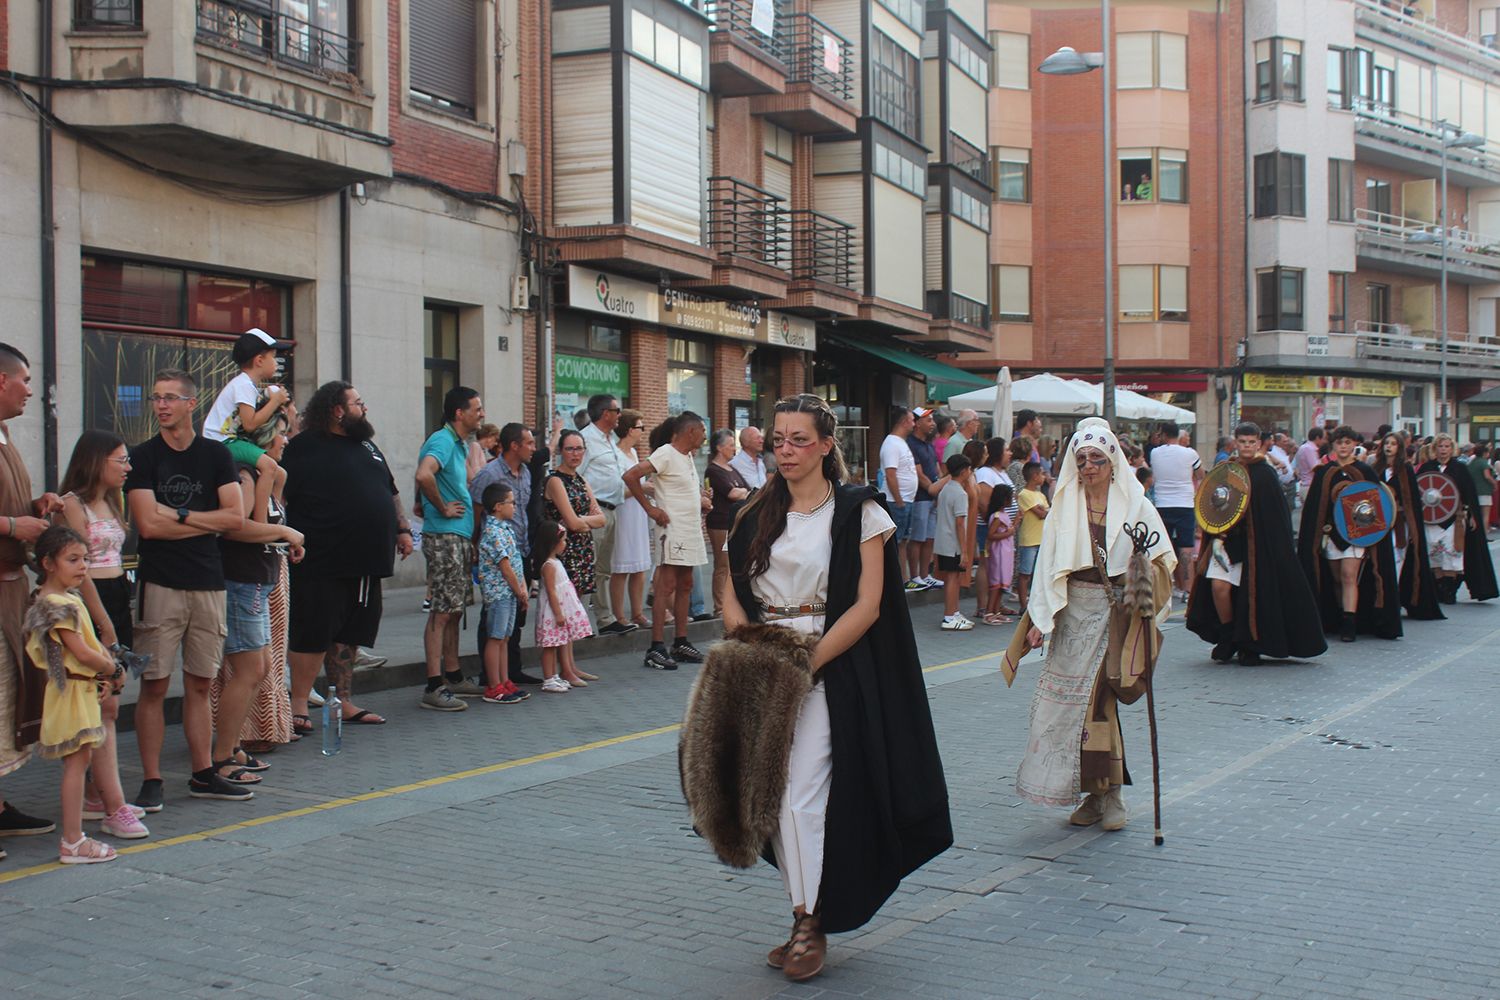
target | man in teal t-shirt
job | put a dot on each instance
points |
(447, 527)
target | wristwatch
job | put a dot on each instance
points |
(182, 514)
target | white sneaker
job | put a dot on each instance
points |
(314, 699)
(555, 685)
(956, 623)
(933, 582)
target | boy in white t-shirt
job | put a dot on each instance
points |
(241, 420)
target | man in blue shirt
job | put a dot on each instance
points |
(447, 528)
(923, 528)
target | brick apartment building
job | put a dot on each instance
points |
(1177, 183)
(741, 199)
(336, 173)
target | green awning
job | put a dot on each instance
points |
(942, 380)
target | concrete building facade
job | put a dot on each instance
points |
(323, 172)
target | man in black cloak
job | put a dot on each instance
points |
(1478, 569)
(1357, 588)
(1248, 597)
(1419, 594)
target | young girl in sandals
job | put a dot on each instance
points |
(60, 640)
(1002, 556)
(562, 618)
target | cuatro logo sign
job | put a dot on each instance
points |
(612, 303)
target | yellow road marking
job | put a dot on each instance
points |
(385, 793)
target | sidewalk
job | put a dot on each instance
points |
(401, 643)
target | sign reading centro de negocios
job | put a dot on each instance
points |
(630, 299)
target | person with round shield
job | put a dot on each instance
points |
(1408, 539)
(1248, 597)
(1455, 529)
(1356, 585)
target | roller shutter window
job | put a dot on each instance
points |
(443, 40)
(583, 141)
(666, 154)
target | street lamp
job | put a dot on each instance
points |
(1067, 62)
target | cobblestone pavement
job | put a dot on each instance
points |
(1329, 833)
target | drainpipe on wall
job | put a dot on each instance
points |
(346, 319)
(48, 251)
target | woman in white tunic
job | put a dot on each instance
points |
(783, 545)
(1074, 744)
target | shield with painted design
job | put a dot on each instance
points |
(1440, 498)
(1222, 498)
(1364, 512)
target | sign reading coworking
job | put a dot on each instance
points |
(1338, 385)
(643, 302)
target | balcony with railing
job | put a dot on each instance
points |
(749, 234)
(959, 323)
(1410, 246)
(1393, 138)
(745, 51)
(235, 92)
(1399, 24)
(965, 157)
(822, 249)
(820, 79)
(1376, 349)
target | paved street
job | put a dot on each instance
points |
(1329, 833)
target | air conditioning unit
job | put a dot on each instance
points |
(520, 292)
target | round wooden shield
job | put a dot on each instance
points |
(1440, 497)
(1364, 512)
(1222, 498)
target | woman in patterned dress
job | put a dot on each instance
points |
(570, 502)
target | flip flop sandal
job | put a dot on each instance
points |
(238, 776)
(364, 717)
(302, 725)
(250, 763)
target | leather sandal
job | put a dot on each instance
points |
(237, 775)
(809, 946)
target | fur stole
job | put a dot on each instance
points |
(43, 616)
(737, 737)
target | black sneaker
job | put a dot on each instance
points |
(657, 659)
(520, 676)
(215, 787)
(15, 823)
(619, 628)
(707, 616)
(149, 797)
(685, 652)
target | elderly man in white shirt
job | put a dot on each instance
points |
(748, 461)
(604, 470)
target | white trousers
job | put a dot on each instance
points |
(798, 843)
(1440, 551)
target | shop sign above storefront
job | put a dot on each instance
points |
(1336, 384)
(1163, 383)
(643, 302)
(582, 376)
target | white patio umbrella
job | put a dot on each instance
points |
(1132, 405)
(1000, 426)
(1045, 393)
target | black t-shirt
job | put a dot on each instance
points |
(338, 494)
(189, 478)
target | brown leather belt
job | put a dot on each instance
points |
(795, 610)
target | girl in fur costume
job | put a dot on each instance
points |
(60, 640)
(812, 555)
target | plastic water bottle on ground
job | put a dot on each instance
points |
(333, 723)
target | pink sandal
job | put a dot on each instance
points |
(84, 851)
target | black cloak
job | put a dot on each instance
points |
(1379, 591)
(887, 800)
(1418, 585)
(1274, 611)
(1479, 568)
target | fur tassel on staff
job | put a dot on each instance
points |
(1139, 599)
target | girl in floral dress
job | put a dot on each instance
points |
(562, 618)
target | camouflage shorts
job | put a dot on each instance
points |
(447, 571)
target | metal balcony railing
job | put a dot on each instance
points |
(822, 248)
(736, 17)
(958, 308)
(1395, 19)
(746, 221)
(1380, 120)
(1398, 342)
(267, 29)
(817, 54)
(92, 15)
(969, 158)
(1425, 239)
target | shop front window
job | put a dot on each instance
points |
(689, 369)
(439, 362)
(139, 318)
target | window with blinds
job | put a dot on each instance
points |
(442, 41)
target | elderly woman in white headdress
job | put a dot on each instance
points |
(1102, 586)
